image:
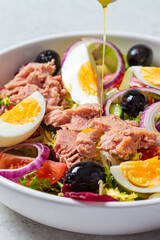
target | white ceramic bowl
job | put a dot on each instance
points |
(109, 218)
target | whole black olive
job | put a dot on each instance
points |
(134, 101)
(140, 55)
(47, 56)
(84, 176)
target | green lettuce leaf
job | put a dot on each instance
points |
(39, 184)
(4, 101)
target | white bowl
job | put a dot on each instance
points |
(109, 218)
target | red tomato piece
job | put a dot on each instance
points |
(50, 170)
(150, 152)
(108, 77)
(136, 83)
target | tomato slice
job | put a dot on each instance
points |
(50, 170)
(150, 152)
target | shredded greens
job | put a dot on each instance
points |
(113, 189)
(4, 101)
(39, 184)
(49, 139)
(121, 196)
(70, 103)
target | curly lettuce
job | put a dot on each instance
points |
(70, 103)
(49, 139)
(4, 101)
(113, 189)
(31, 180)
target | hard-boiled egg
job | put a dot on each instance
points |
(19, 123)
(80, 75)
(148, 75)
(139, 176)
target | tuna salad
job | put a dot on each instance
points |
(58, 137)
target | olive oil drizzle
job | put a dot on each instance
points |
(103, 60)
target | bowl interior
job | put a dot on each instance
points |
(52, 210)
(13, 58)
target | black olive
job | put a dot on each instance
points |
(134, 101)
(84, 176)
(47, 56)
(140, 55)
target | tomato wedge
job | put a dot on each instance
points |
(150, 152)
(50, 170)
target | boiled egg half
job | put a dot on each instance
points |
(150, 76)
(80, 75)
(139, 176)
(19, 123)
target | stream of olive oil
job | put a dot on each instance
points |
(103, 60)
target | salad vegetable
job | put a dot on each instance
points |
(72, 152)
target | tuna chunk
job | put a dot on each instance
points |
(65, 148)
(74, 120)
(123, 138)
(56, 117)
(23, 92)
(87, 140)
(32, 73)
(37, 76)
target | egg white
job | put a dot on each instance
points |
(137, 73)
(122, 180)
(11, 134)
(75, 59)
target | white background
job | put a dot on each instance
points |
(22, 20)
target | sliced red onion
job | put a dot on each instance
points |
(121, 64)
(43, 153)
(2, 109)
(158, 125)
(148, 119)
(107, 105)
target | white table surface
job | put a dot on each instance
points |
(22, 20)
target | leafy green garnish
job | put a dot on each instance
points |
(38, 184)
(4, 101)
(109, 178)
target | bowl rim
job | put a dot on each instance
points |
(63, 200)
(116, 34)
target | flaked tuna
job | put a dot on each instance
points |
(123, 138)
(74, 120)
(87, 140)
(37, 76)
(65, 148)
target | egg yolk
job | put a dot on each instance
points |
(142, 173)
(87, 130)
(88, 79)
(24, 112)
(151, 75)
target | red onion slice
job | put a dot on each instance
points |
(107, 105)
(121, 64)
(148, 119)
(43, 153)
(2, 109)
